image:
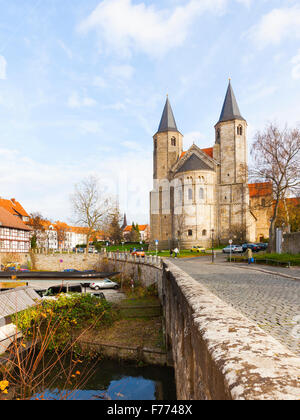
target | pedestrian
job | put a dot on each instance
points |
(176, 252)
(171, 253)
(250, 255)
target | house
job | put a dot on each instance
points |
(15, 235)
(144, 232)
(15, 208)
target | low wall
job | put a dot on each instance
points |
(147, 271)
(21, 258)
(218, 353)
(291, 243)
(52, 262)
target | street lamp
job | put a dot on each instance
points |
(212, 246)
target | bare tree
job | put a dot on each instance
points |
(180, 227)
(37, 223)
(90, 206)
(277, 160)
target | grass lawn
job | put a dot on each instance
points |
(274, 258)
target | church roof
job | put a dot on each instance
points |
(167, 122)
(230, 110)
(194, 163)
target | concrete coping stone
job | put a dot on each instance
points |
(255, 365)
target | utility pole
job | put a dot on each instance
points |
(212, 246)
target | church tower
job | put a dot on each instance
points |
(231, 151)
(167, 149)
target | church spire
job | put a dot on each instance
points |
(230, 110)
(167, 122)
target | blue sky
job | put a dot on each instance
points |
(83, 85)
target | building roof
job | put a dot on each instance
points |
(17, 300)
(142, 228)
(14, 207)
(194, 163)
(230, 110)
(10, 221)
(260, 189)
(167, 122)
(209, 151)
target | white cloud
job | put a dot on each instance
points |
(75, 101)
(296, 66)
(3, 66)
(125, 26)
(46, 187)
(99, 82)
(276, 26)
(124, 72)
(65, 49)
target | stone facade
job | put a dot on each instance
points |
(291, 243)
(202, 194)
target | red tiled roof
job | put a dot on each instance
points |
(10, 221)
(142, 228)
(260, 189)
(209, 151)
(14, 207)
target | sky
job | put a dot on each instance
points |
(83, 85)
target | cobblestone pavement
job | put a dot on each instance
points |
(270, 300)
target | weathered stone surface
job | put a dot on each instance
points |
(291, 243)
(218, 353)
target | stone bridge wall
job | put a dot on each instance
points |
(218, 353)
(291, 243)
(52, 262)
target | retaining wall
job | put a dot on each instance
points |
(52, 262)
(218, 353)
(291, 243)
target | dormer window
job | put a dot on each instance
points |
(173, 141)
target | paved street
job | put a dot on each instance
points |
(270, 300)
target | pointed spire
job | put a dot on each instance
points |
(124, 222)
(167, 122)
(230, 109)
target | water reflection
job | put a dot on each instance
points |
(121, 382)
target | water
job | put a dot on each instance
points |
(121, 382)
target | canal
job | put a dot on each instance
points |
(110, 380)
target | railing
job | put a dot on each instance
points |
(153, 260)
(266, 261)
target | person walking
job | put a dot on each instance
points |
(176, 252)
(250, 255)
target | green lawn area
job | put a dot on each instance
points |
(274, 258)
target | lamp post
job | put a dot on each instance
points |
(212, 246)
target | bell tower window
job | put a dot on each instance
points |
(173, 141)
(218, 135)
(240, 130)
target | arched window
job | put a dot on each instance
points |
(173, 141)
(190, 233)
(218, 135)
(204, 232)
(201, 194)
(190, 194)
(240, 130)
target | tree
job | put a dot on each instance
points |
(61, 232)
(115, 230)
(37, 223)
(289, 214)
(276, 153)
(91, 207)
(135, 235)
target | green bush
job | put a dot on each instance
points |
(64, 316)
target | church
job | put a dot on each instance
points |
(203, 195)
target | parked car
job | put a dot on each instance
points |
(234, 249)
(262, 246)
(254, 247)
(56, 290)
(139, 253)
(199, 249)
(98, 295)
(104, 284)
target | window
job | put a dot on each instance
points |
(240, 130)
(218, 135)
(263, 202)
(173, 141)
(190, 233)
(204, 232)
(155, 144)
(190, 194)
(201, 194)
